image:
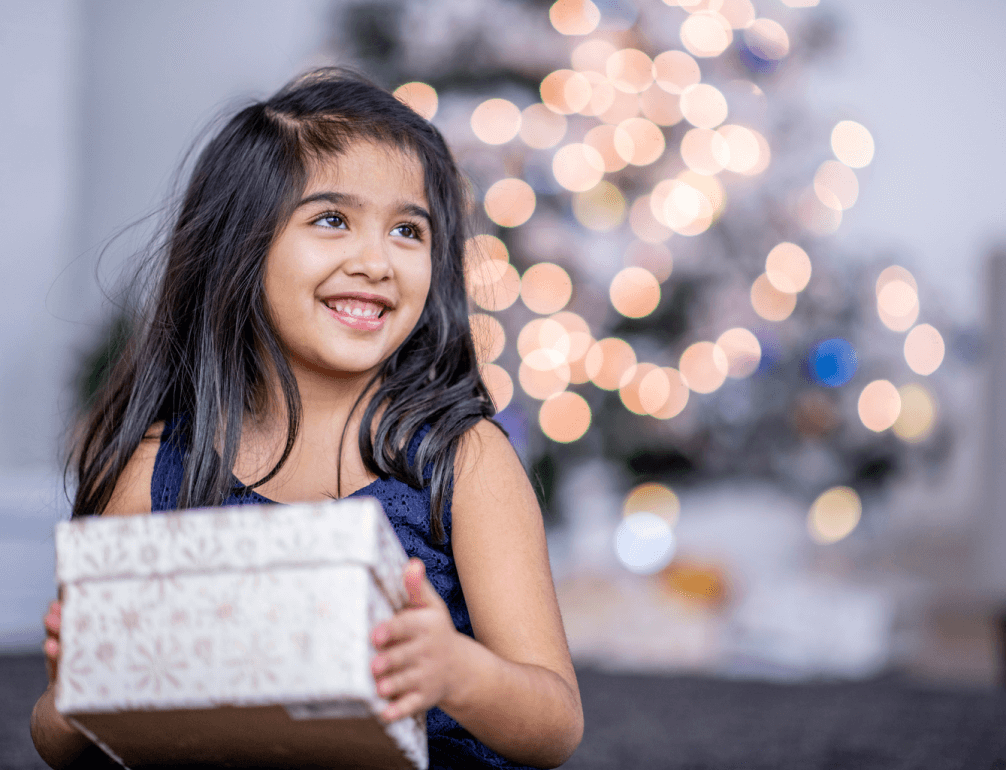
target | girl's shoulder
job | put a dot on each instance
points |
(132, 491)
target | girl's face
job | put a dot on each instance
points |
(347, 278)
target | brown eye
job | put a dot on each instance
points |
(332, 220)
(407, 230)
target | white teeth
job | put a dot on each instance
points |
(357, 312)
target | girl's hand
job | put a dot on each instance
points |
(415, 649)
(52, 622)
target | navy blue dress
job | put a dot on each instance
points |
(408, 509)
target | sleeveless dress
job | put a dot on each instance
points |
(408, 510)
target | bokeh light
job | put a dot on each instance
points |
(639, 141)
(710, 187)
(610, 363)
(591, 56)
(652, 388)
(488, 336)
(634, 292)
(675, 71)
(653, 498)
(706, 34)
(897, 299)
(655, 257)
(767, 39)
(421, 97)
(834, 515)
(918, 414)
(630, 70)
(644, 223)
(485, 246)
(601, 208)
(541, 128)
(510, 202)
(498, 383)
(833, 362)
(739, 13)
(788, 268)
(743, 352)
(496, 121)
(540, 377)
(770, 303)
(743, 150)
(602, 139)
(879, 405)
(852, 144)
(801, 3)
(565, 91)
(662, 108)
(564, 417)
(704, 367)
(704, 106)
(644, 542)
(574, 17)
(815, 216)
(836, 185)
(494, 284)
(924, 349)
(705, 151)
(545, 288)
(577, 167)
(629, 392)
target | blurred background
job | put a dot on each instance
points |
(738, 282)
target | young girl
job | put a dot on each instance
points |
(313, 290)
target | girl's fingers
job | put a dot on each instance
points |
(394, 658)
(403, 707)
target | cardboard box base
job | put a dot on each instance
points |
(257, 736)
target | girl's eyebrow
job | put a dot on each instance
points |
(352, 201)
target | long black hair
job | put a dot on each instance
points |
(204, 346)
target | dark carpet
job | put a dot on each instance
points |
(691, 723)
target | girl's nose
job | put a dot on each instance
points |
(370, 259)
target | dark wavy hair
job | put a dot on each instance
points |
(204, 346)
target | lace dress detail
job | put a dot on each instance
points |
(408, 510)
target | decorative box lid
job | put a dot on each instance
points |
(234, 538)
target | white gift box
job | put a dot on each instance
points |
(236, 636)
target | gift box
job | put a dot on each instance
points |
(233, 636)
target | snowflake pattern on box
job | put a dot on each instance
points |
(244, 606)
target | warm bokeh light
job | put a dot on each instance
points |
(630, 70)
(675, 71)
(496, 121)
(485, 246)
(788, 268)
(540, 380)
(667, 380)
(565, 91)
(834, 515)
(488, 336)
(682, 207)
(592, 56)
(577, 167)
(918, 414)
(644, 223)
(743, 352)
(602, 139)
(767, 39)
(852, 144)
(706, 34)
(740, 13)
(634, 292)
(499, 384)
(574, 17)
(548, 335)
(895, 273)
(629, 392)
(653, 498)
(705, 151)
(924, 349)
(510, 202)
(660, 107)
(815, 216)
(644, 543)
(836, 185)
(638, 141)
(709, 186)
(421, 97)
(879, 405)
(898, 304)
(703, 366)
(743, 149)
(801, 3)
(541, 127)
(545, 288)
(610, 363)
(770, 303)
(655, 257)
(704, 106)
(601, 208)
(564, 417)
(493, 284)
(622, 106)
(602, 94)
(577, 333)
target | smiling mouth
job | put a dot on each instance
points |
(357, 308)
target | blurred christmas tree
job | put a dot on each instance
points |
(654, 282)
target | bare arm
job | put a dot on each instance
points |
(513, 686)
(59, 743)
